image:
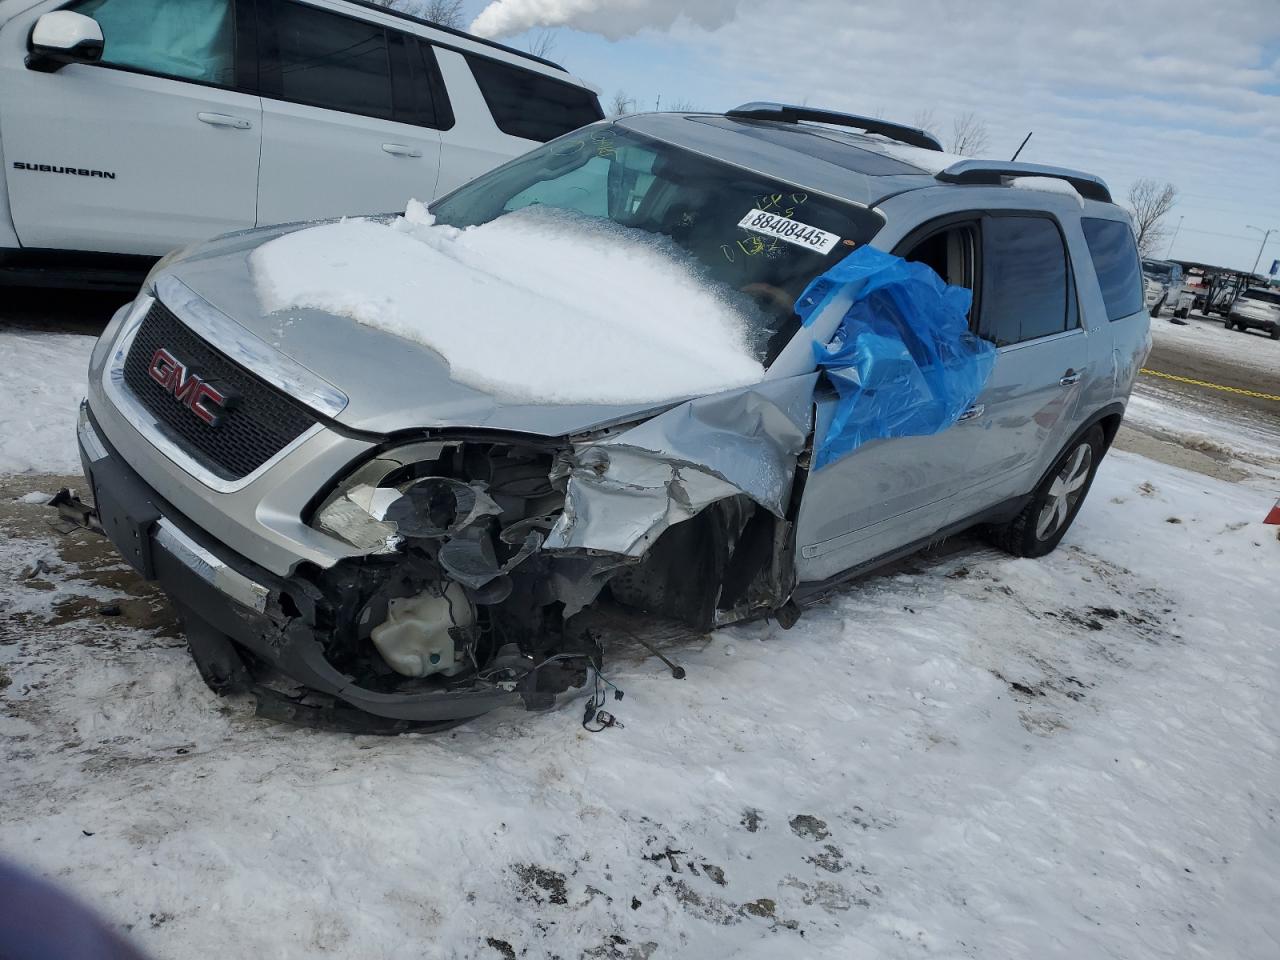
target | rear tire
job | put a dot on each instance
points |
(1047, 517)
(1275, 333)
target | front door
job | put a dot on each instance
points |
(349, 114)
(889, 494)
(155, 147)
(1028, 308)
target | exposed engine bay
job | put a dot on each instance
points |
(472, 579)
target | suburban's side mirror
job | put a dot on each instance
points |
(63, 37)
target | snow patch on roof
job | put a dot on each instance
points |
(1047, 185)
(536, 306)
(930, 161)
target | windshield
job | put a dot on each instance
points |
(1157, 271)
(615, 174)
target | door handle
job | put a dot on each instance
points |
(974, 412)
(400, 150)
(222, 120)
(1070, 377)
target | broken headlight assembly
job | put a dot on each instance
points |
(450, 531)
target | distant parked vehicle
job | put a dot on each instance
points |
(1163, 286)
(1256, 309)
(130, 128)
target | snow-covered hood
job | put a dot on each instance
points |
(392, 383)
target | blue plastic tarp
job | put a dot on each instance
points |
(903, 360)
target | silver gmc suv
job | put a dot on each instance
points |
(358, 537)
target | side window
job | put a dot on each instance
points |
(327, 60)
(949, 252)
(1026, 285)
(418, 91)
(184, 39)
(532, 105)
(1115, 261)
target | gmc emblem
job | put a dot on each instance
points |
(202, 398)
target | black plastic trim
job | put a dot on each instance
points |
(87, 270)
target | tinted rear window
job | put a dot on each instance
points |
(533, 105)
(1115, 261)
(1266, 296)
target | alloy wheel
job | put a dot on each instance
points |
(1065, 492)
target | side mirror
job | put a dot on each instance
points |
(63, 37)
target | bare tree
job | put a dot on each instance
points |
(447, 13)
(1149, 201)
(969, 135)
(621, 104)
(682, 106)
(926, 120)
(542, 44)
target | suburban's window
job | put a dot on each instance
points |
(532, 105)
(418, 89)
(1115, 261)
(1025, 282)
(328, 60)
(185, 39)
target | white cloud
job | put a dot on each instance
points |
(609, 18)
(1166, 88)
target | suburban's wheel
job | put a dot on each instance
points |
(1275, 333)
(1044, 521)
(1228, 323)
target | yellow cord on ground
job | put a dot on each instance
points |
(1212, 386)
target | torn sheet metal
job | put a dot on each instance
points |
(623, 492)
(903, 360)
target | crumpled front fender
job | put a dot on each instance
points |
(624, 491)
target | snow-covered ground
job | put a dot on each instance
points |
(978, 756)
(1208, 336)
(43, 375)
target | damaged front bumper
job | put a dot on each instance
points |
(229, 605)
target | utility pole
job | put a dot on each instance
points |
(1173, 238)
(1266, 235)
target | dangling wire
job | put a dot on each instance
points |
(593, 714)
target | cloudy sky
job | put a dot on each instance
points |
(1187, 92)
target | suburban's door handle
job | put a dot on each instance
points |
(222, 120)
(1070, 377)
(974, 412)
(400, 150)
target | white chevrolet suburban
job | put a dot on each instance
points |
(129, 128)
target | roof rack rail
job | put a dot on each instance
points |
(454, 31)
(786, 113)
(997, 171)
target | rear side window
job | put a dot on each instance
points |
(532, 105)
(1026, 284)
(184, 39)
(327, 60)
(1115, 261)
